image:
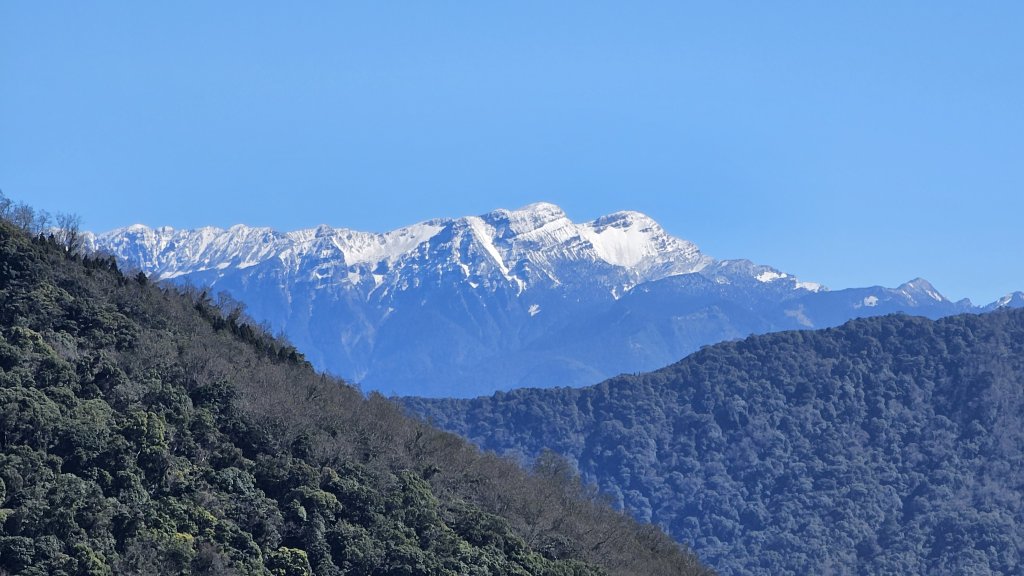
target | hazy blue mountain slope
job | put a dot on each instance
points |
(466, 306)
(887, 445)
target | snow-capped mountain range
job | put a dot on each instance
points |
(526, 297)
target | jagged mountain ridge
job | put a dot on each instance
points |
(529, 247)
(466, 306)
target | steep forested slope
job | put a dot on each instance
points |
(888, 445)
(147, 431)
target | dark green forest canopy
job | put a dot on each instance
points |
(887, 445)
(144, 430)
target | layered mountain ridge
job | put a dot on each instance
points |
(466, 306)
(888, 445)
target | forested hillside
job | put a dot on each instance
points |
(892, 445)
(148, 431)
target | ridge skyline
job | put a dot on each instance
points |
(1013, 295)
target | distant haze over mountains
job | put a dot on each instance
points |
(466, 306)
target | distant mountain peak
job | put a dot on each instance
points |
(921, 287)
(525, 219)
(541, 208)
(539, 233)
(511, 297)
(1011, 300)
(625, 218)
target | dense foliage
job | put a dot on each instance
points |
(890, 445)
(144, 430)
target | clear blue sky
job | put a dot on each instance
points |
(860, 144)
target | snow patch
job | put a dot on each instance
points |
(871, 301)
(369, 248)
(534, 309)
(809, 286)
(483, 236)
(769, 275)
(624, 246)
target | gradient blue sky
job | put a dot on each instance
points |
(857, 144)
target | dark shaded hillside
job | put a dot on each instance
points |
(146, 431)
(887, 445)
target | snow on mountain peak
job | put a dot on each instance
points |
(634, 240)
(528, 220)
(624, 219)
(624, 239)
(810, 286)
(920, 287)
(1014, 299)
(523, 296)
(770, 275)
(519, 248)
(545, 210)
